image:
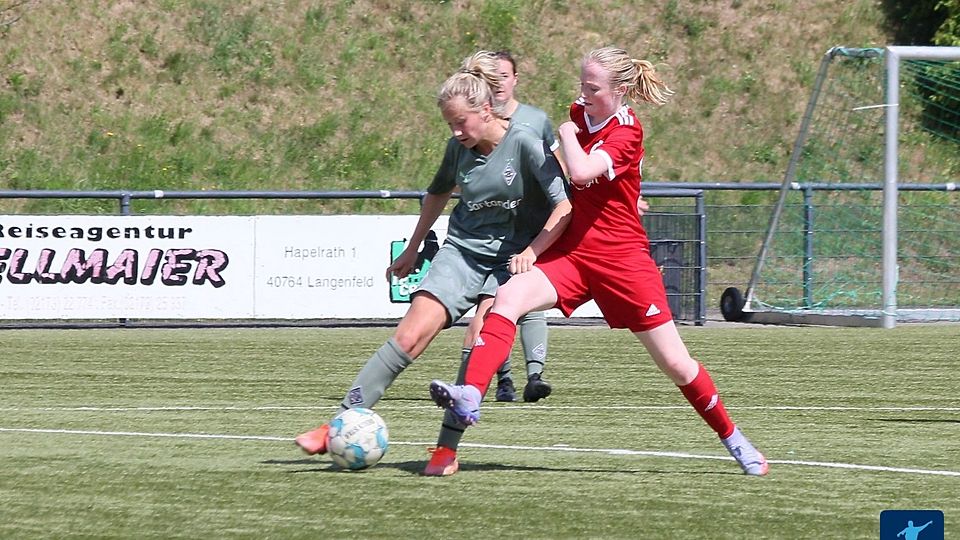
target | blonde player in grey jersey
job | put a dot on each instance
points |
(513, 205)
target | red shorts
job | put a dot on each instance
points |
(628, 288)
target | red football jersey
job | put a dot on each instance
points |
(605, 215)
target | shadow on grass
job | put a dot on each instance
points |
(416, 468)
(918, 420)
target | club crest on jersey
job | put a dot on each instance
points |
(509, 173)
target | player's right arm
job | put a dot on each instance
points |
(438, 195)
(582, 168)
(609, 158)
(430, 210)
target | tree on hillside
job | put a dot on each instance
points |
(914, 22)
(949, 32)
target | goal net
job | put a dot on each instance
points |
(865, 228)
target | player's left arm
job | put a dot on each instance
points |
(557, 222)
(544, 165)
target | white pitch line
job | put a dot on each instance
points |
(682, 455)
(569, 449)
(146, 434)
(170, 408)
(499, 407)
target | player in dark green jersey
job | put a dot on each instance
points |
(513, 205)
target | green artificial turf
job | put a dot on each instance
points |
(159, 433)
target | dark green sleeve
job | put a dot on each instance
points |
(543, 165)
(544, 187)
(539, 121)
(547, 134)
(445, 178)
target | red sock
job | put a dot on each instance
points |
(490, 350)
(702, 394)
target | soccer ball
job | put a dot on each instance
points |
(357, 439)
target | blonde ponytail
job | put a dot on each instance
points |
(639, 76)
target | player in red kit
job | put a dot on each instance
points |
(603, 255)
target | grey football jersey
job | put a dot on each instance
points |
(505, 197)
(538, 120)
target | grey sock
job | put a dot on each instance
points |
(376, 376)
(462, 372)
(451, 431)
(533, 338)
(504, 371)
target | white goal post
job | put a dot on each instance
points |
(891, 165)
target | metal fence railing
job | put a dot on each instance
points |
(730, 220)
(677, 240)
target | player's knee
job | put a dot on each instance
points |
(533, 317)
(680, 368)
(510, 310)
(408, 340)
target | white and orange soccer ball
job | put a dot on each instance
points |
(357, 439)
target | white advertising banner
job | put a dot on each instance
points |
(204, 267)
(328, 267)
(92, 267)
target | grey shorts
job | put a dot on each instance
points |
(458, 280)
